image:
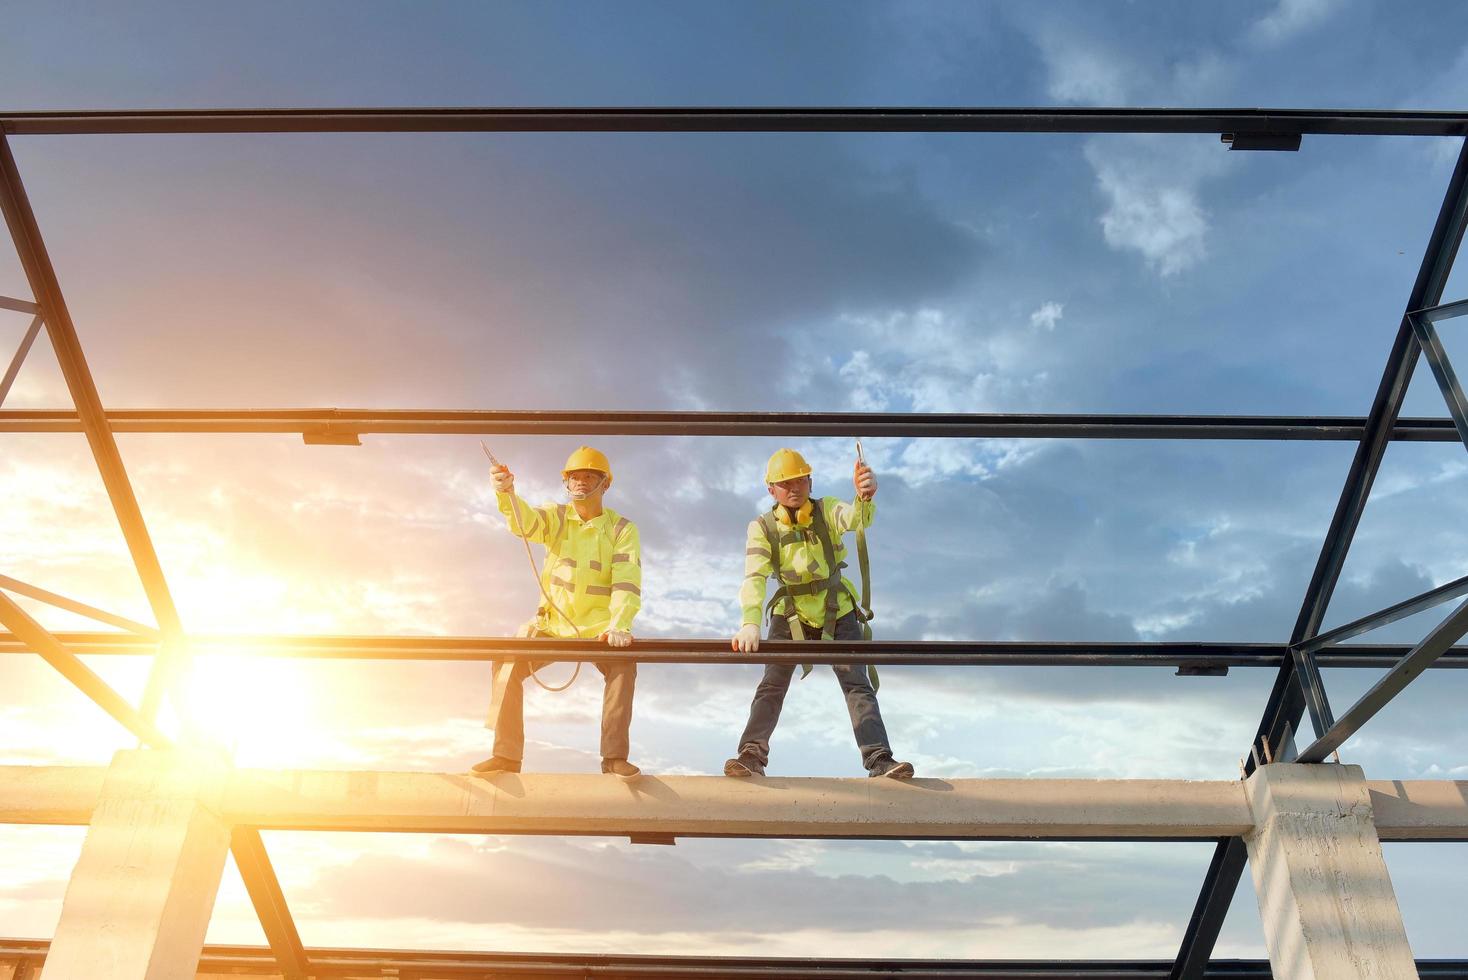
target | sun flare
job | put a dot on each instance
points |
(258, 708)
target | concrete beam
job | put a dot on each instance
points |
(139, 901)
(421, 802)
(55, 795)
(1325, 897)
(1421, 810)
(693, 806)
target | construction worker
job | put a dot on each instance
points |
(798, 542)
(591, 585)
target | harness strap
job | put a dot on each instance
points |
(823, 535)
(771, 526)
(784, 597)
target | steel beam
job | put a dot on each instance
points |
(1190, 657)
(1283, 711)
(1313, 685)
(1250, 124)
(1401, 610)
(1443, 636)
(80, 608)
(37, 638)
(1442, 369)
(331, 422)
(20, 355)
(19, 305)
(269, 901)
(253, 961)
(44, 286)
(1444, 311)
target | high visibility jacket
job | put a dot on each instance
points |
(592, 570)
(803, 561)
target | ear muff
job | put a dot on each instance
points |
(801, 517)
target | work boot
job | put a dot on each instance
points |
(620, 768)
(496, 764)
(744, 765)
(891, 768)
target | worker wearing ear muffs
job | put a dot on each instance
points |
(798, 543)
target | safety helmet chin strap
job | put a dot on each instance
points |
(583, 494)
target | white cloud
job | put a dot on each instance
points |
(1291, 17)
(1152, 200)
(1081, 71)
(1047, 316)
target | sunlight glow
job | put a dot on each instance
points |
(258, 708)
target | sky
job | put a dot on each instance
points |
(812, 272)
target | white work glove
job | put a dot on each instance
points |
(617, 638)
(747, 639)
(504, 480)
(866, 482)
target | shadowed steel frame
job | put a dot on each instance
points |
(1297, 683)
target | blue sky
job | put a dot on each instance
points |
(855, 272)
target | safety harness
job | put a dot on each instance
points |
(784, 597)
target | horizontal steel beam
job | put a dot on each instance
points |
(19, 305)
(715, 806)
(1185, 656)
(1000, 653)
(255, 961)
(347, 422)
(727, 119)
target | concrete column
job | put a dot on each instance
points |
(1325, 898)
(139, 901)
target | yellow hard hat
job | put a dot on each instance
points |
(587, 458)
(786, 464)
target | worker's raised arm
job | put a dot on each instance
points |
(525, 521)
(842, 517)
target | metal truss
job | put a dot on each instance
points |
(1298, 686)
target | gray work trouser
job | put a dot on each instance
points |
(861, 701)
(616, 711)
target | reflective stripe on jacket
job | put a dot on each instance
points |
(801, 562)
(593, 569)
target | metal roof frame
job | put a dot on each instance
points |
(1298, 685)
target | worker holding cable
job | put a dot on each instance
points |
(591, 586)
(798, 544)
